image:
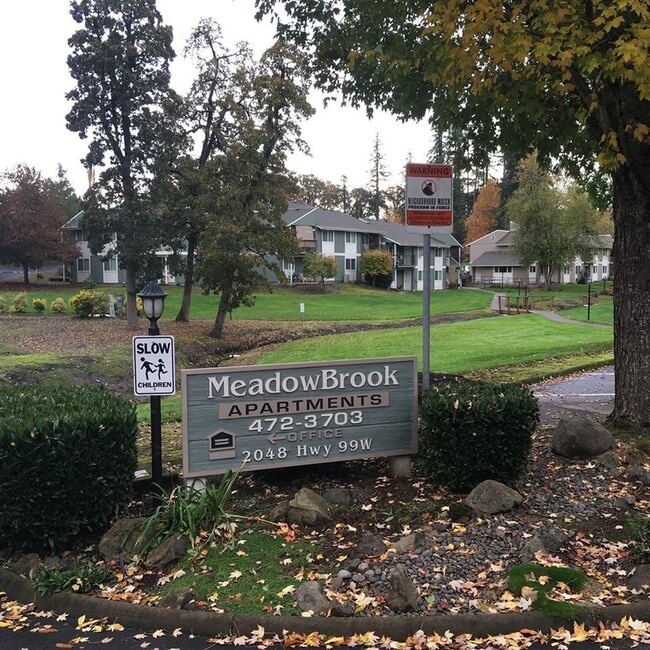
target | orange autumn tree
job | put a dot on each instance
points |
(482, 218)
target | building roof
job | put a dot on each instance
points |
(496, 258)
(301, 214)
(73, 223)
(493, 237)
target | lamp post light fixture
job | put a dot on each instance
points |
(153, 304)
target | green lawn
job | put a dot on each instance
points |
(339, 302)
(457, 347)
(600, 312)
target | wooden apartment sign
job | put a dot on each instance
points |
(273, 416)
(429, 193)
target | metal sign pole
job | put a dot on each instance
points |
(426, 311)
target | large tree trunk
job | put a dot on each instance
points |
(26, 273)
(131, 306)
(631, 298)
(183, 315)
(222, 310)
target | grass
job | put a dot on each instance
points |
(457, 347)
(339, 302)
(537, 582)
(261, 571)
(600, 312)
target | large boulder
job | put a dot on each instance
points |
(579, 437)
(491, 497)
(310, 597)
(403, 595)
(119, 543)
(308, 507)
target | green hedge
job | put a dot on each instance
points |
(472, 432)
(67, 458)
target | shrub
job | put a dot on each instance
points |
(198, 514)
(88, 303)
(67, 458)
(84, 579)
(19, 303)
(58, 305)
(472, 432)
(39, 304)
(3, 303)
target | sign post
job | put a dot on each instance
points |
(154, 374)
(429, 194)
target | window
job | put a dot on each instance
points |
(604, 270)
(365, 238)
(350, 237)
(350, 264)
(578, 270)
(437, 276)
(83, 264)
(78, 235)
(532, 269)
(503, 269)
(328, 235)
(419, 276)
(110, 264)
(437, 252)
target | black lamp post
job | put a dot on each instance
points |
(588, 300)
(153, 304)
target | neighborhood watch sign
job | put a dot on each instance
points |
(265, 417)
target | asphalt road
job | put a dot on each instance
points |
(589, 394)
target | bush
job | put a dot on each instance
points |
(19, 303)
(472, 432)
(88, 303)
(58, 305)
(39, 304)
(67, 458)
(3, 303)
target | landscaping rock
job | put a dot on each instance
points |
(338, 496)
(640, 578)
(172, 549)
(311, 598)
(580, 437)
(491, 497)
(409, 542)
(178, 599)
(402, 596)
(118, 544)
(369, 546)
(530, 548)
(308, 507)
(26, 563)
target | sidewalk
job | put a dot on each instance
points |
(551, 315)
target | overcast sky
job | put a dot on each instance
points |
(34, 79)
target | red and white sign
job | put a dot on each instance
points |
(429, 192)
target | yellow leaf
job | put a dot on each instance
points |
(579, 632)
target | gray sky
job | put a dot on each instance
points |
(34, 79)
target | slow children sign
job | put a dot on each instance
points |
(283, 415)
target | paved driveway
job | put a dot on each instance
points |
(590, 394)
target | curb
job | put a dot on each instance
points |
(398, 628)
